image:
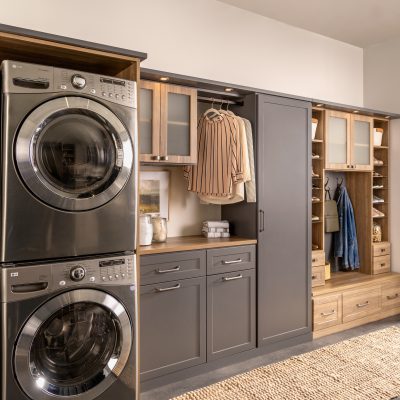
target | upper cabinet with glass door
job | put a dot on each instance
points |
(348, 141)
(167, 124)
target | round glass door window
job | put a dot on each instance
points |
(76, 350)
(74, 153)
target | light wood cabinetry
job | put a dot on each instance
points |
(318, 276)
(349, 141)
(327, 311)
(167, 123)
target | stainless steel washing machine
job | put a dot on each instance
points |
(68, 330)
(68, 163)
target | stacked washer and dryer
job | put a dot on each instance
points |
(68, 222)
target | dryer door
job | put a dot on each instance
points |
(73, 153)
(75, 345)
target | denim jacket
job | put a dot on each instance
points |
(346, 245)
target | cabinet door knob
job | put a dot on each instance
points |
(156, 158)
(164, 158)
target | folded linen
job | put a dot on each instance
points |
(216, 224)
(213, 235)
(215, 230)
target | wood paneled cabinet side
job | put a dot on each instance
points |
(167, 123)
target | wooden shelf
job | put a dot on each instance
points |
(187, 243)
(381, 147)
(318, 141)
(349, 280)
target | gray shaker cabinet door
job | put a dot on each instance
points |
(172, 326)
(231, 313)
(284, 248)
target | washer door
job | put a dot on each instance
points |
(73, 153)
(76, 344)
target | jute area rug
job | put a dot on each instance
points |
(363, 368)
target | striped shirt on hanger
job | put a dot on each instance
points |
(220, 163)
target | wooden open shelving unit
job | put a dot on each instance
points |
(354, 298)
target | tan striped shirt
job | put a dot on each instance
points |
(219, 157)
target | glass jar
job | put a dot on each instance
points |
(146, 230)
(159, 229)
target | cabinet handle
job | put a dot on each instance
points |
(393, 297)
(383, 264)
(314, 260)
(156, 158)
(314, 277)
(239, 260)
(165, 271)
(233, 278)
(382, 250)
(262, 221)
(164, 158)
(363, 304)
(327, 314)
(177, 286)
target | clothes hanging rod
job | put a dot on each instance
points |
(215, 100)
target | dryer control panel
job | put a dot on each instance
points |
(21, 77)
(28, 281)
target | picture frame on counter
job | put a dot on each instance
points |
(154, 193)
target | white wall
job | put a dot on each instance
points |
(208, 39)
(382, 76)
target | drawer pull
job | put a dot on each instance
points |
(314, 277)
(382, 250)
(383, 264)
(327, 314)
(233, 278)
(393, 297)
(314, 260)
(361, 305)
(239, 260)
(165, 271)
(177, 286)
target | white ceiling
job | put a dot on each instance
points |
(359, 22)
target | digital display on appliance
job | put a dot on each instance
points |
(111, 263)
(112, 81)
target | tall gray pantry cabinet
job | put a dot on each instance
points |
(284, 231)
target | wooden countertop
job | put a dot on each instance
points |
(349, 280)
(186, 243)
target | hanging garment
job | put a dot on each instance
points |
(251, 194)
(345, 241)
(238, 189)
(219, 157)
(331, 213)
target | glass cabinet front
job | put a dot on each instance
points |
(337, 140)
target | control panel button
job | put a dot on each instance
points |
(93, 91)
(63, 87)
(62, 283)
(117, 96)
(110, 95)
(77, 273)
(110, 277)
(123, 97)
(103, 278)
(92, 279)
(123, 275)
(116, 276)
(104, 94)
(78, 81)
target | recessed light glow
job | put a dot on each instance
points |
(387, 116)
(356, 111)
(319, 105)
(164, 78)
(228, 89)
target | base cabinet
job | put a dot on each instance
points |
(231, 313)
(173, 326)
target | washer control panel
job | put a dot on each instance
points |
(22, 77)
(77, 273)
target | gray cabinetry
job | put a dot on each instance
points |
(284, 198)
(230, 259)
(172, 326)
(230, 313)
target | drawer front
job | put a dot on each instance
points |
(391, 295)
(231, 313)
(317, 258)
(157, 268)
(327, 311)
(381, 249)
(318, 276)
(172, 326)
(360, 303)
(231, 259)
(381, 264)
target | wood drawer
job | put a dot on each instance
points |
(391, 295)
(381, 249)
(318, 276)
(231, 259)
(327, 311)
(381, 264)
(317, 258)
(360, 303)
(156, 268)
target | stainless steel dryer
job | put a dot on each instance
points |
(69, 330)
(69, 157)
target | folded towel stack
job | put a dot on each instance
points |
(216, 229)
